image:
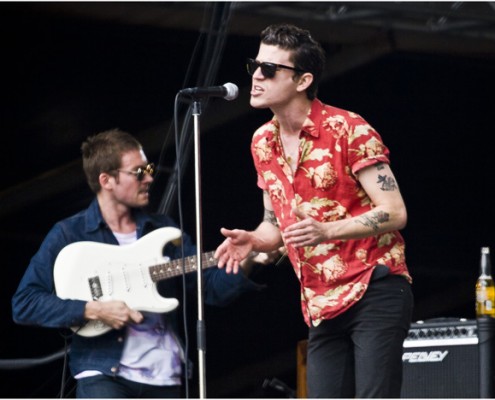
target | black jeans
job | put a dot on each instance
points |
(359, 353)
(106, 387)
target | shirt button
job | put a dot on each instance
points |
(114, 369)
(120, 339)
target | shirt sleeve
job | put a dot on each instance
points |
(365, 146)
(35, 301)
(261, 183)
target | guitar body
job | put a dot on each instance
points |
(97, 271)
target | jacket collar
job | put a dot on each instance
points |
(94, 219)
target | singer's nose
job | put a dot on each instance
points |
(258, 74)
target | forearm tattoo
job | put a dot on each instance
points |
(374, 219)
(269, 216)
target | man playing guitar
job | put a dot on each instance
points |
(110, 249)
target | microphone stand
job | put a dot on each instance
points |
(229, 91)
(200, 327)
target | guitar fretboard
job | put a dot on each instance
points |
(174, 268)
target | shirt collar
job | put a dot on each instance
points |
(95, 221)
(312, 123)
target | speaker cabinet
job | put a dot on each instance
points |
(441, 360)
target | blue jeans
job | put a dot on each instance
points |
(359, 353)
(103, 386)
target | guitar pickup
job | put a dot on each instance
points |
(95, 287)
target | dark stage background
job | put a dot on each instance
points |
(69, 71)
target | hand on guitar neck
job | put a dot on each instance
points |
(115, 314)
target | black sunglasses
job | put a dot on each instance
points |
(141, 171)
(267, 69)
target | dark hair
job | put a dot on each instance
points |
(307, 53)
(103, 153)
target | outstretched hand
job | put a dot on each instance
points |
(236, 247)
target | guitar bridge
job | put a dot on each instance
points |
(95, 287)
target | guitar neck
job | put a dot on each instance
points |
(175, 267)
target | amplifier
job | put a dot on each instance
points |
(441, 360)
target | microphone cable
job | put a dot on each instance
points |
(23, 363)
(181, 225)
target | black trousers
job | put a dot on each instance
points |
(359, 353)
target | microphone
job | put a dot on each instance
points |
(228, 91)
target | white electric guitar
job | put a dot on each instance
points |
(97, 271)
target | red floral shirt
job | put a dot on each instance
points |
(334, 145)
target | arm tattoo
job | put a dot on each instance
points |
(387, 183)
(374, 219)
(269, 216)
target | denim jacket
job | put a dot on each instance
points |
(35, 301)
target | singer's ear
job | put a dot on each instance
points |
(304, 81)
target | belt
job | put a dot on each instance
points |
(380, 271)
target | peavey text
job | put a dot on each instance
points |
(424, 356)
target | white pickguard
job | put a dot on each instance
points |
(97, 271)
